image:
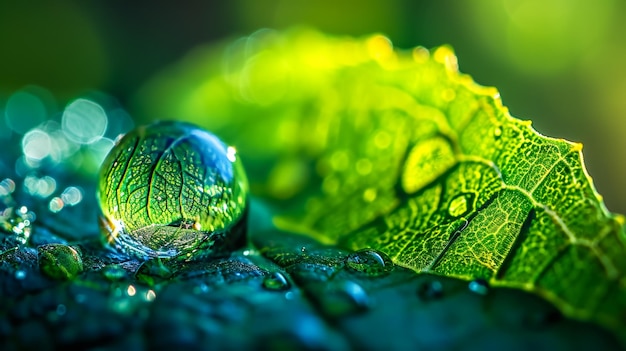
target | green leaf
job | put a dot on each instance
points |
(364, 146)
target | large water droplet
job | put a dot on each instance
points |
(479, 286)
(276, 281)
(173, 190)
(370, 262)
(59, 261)
(461, 204)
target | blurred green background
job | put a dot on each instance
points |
(556, 62)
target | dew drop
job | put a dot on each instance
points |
(344, 298)
(369, 261)
(460, 205)
(497, 132)
(154, 224)
(479, 286)
(275, 281)
(58, 261)
(430, 290)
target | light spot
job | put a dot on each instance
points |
(84, 121)
(72, 195)
(36, 145)
(370, 194)
(382, 140)
(24, 111)
(379, 47)
(7, 187)
(363, 166)
(56, 204)
(131, 291)
(231, 154)
(150, 295)
(41, 187)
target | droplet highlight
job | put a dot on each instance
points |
(370, 262)
(276, 281)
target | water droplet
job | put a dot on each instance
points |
(153, 271)
(114, 272)
(276, 281)
(370, 262)
(343, 298)
(430, 290)
(131, 290)
(303, 249)
(188, 157)
(497, 132)
(479, 286)
(461, 204)
(59, 261)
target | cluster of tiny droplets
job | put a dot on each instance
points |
(14, 218)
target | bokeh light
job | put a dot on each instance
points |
(84, 121)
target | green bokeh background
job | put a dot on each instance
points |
(556, 62)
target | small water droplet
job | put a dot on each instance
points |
(370, 262)
(430, 290)
(276, 281)
(460, 205)
(343, 298)
(497, 132)
(131, 291)
(479, 286)
(153, 271)
(58, 261)
(114, 272)
(303, 249)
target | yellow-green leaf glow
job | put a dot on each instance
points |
(401, 153)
